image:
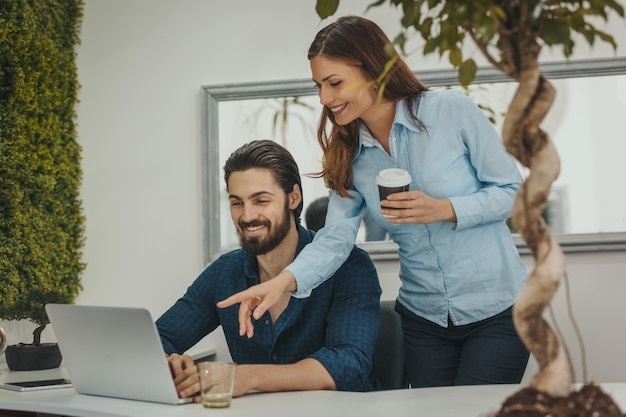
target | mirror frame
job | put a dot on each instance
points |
(385, 250)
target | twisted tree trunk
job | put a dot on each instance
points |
(533, 148)
(550, 392)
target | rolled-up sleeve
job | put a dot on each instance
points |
(332, 244)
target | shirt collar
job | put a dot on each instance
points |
(402, 118)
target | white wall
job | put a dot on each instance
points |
(141, 65)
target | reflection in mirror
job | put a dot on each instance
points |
(586, 123)
(246, 120)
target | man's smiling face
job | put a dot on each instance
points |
(260, 210)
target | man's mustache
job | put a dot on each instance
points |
(244, 225)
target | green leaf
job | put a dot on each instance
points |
(467, 71)
(411, 16)
(577, 21)
(499, 12)
(589, 35)
(616, 6)
(486, 29)
(456, 57)
(607, 38)
(461, 12)
(399, 40)
(596, 7)
(326, 8)
(375, 4)
(424, 28)
(431, 45)
(390, 64)
(554, 31)
(568, 48)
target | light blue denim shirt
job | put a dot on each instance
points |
(466, 271)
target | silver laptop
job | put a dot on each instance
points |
(113, 352)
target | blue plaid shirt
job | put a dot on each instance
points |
(337, 325)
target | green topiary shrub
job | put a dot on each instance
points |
(41, 220)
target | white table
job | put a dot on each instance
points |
(469, 401)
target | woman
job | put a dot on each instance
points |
(459, 267)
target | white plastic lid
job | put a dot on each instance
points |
(393, 177)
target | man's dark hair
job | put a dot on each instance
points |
(270, 155)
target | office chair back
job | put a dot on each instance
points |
(389, 365)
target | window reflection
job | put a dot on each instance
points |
(587, 124)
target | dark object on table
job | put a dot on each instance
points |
(589, 401)
(24, 357)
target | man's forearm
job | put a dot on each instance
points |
(307, 374)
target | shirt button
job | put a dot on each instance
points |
(274, 357)
(267, 322)
(438, 274)
(431, 252)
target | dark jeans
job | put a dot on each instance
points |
(486, 352)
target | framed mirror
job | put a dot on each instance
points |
(586, 208)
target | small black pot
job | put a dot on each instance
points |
(24, 357)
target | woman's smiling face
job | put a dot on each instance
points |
(343, 89)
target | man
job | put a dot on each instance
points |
(323, 341)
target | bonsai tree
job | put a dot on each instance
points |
(41, 222)
(510, 34)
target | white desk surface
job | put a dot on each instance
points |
(469, 401)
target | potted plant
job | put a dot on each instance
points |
(41, 221)
(510, 34)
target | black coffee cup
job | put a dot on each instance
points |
(392, 180)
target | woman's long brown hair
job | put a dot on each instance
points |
(354, 39)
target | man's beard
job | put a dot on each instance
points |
(259, 246)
